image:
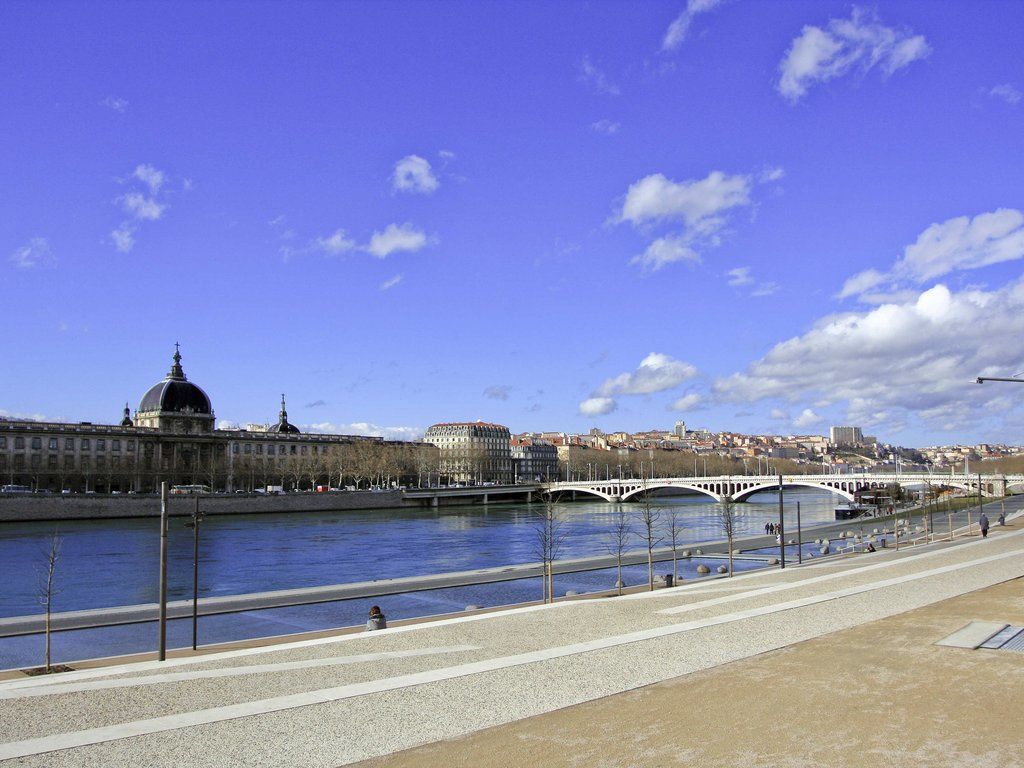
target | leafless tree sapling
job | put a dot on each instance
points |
(48, 587)
(617, 541)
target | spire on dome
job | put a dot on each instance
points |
(176, 371)
(127, 420)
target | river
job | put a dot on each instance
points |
(115, 562)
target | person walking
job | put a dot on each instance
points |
(983, 525)
(1002, 518)
(767, 529)
(376, 620)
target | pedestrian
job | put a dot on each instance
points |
(870, 547)
(767, 529)
(1002, 518)
(376, 620)
(983, 524)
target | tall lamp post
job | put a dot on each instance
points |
(197, 518)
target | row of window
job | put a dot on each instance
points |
(69, 443)
(53, 462)
(274, 449)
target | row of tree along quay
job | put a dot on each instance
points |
(643, 525)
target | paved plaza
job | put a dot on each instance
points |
(677, 675)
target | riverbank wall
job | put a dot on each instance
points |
(28, 507)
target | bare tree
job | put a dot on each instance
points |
(550, 535)
(617, 541)
(48, 587)
(674, 529)
(729, 523)
(649, 517)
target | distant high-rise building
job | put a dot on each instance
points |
(846, 436)
(680, 429)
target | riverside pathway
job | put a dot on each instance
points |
(337, 700)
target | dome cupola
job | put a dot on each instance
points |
(175, 404)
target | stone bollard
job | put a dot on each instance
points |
(773, 561)
(791, 541)
(722, 569)
(842, 535)
(824, 550)
(703, 570)
(472, 607)
(699, 551)
(686, 553)
(571, 593)
(619, 584)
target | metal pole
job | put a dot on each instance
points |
(981, 507)
(162, 649)
(782, 529)
(799, 537)
(195, 574)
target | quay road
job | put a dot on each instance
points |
(208, 606)
(335, 700)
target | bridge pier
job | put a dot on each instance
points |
(485, 499)
(434, 501)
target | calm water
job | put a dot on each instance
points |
(107, 563)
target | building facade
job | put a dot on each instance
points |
(851, 436)
(533, 460)
(173, 437)
(472, 451)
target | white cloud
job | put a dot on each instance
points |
(764, 289)
(957, 244)
(114, 103)
(124, 237)
(807, 418)
(35, 253)
(1007, 92)
(414, 174)
(771, 174)
(335, 243)
(700, 206)
(365, 428)
(666, 250)
(226, 424)
(861, 41)
(597, 406)
(150, 176)
(596, 79)
(607, 127)
(778, 413)
(656, 373)
(740, 276)
(678, 29)
(657, 198)
(687, 402)
(917, 358)
(396, 238)
(391, 282)
(142, 207)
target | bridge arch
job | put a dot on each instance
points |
(745, 494)
(656, 486)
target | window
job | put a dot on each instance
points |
(115, 445)
(69, 462)
(37, 461)
(53, 443)
(19, 442)
(304, 449)
(270, 450)
(101, 462)
(248, 448)
(234, 448)
(101, 444)
(19, 461)
(85, 443)
(259, 448)
(292, 450)
(130, 446)
(51, 462)
(69, 443)
(37, 443)
(3, 442)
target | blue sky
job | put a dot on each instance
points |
(755, 216)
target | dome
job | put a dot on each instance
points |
(282, 426)
(176, 394)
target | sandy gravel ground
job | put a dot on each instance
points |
(881, 694)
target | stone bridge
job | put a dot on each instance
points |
(742, 487)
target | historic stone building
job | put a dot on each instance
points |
(173, 437)
(472, 451)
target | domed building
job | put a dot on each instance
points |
(173, 437)
(175, 404)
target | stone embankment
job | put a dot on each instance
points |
(19, 508)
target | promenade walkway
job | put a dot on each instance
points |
(338, 700)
